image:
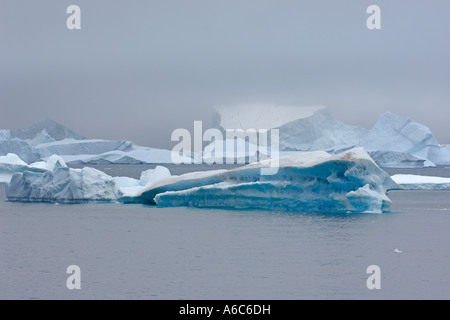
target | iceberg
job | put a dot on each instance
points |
(53, 181)
(41, 137)
(301, 128)
(62, 185)
(419, 182)
(307, 182)
(395, 159)
(54, 162)
(130, 187)
(81, 147)
(21, 148)
(52, 128)
(394, 141)
(11, 164)
(136, 155)
(5, 135)
(401, 134)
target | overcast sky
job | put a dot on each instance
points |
(137, 70)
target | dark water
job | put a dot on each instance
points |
(142, 252)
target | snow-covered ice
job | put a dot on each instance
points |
(419, 182)
(54, 162)
(11, 164)
(130, 187)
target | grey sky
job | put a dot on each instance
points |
(139, 69)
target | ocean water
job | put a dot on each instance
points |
(142, 252)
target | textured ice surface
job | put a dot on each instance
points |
(53, 181)
(315, 181)
(62, 185)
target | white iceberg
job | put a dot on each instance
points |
(10, 164)
(81, 147)
(22, 148)
(54, 162)
(401, 134)
(315, 181)
(300, 128)
(394, 141)
(130, 187)
(419, 182)
(40, 138)
(136, 155)
(62, 185)
(395, 159)
(53, 181)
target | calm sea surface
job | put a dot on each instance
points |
(143, 252)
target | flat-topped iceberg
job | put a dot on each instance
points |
(46, 138)
(419, 182)
(395, 159)
(134, 155)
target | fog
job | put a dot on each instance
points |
(137, 70)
